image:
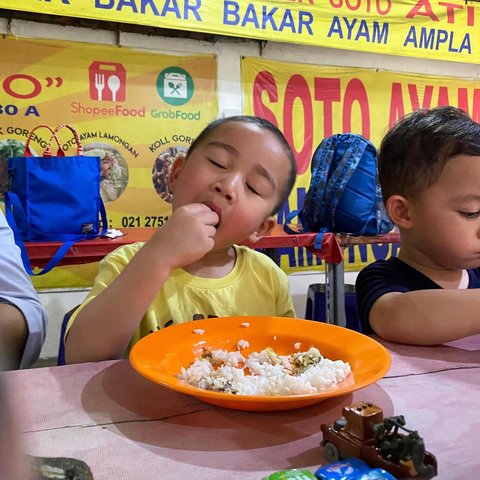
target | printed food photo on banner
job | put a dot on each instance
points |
(134, 110)
(114, 168)
(161, 170)
(9, 148)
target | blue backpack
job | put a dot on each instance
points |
(344, 195)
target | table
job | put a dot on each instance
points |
(125, 427)
(94, 250)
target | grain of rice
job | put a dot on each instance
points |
(242, 344)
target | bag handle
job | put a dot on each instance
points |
(75, 135)
(48, 149)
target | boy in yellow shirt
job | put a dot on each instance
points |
(236, 176)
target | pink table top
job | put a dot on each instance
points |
(127, 428)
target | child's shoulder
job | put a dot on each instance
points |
(474, 278)
(124, 254)
(380, 268)
(392, 269)
(393, 273)
(392, 263)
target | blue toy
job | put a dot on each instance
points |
(352, 469)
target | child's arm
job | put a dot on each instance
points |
(23, 320)
(426, 317)
(104, 327)
(14, 332)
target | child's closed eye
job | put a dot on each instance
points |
(470, 215)
(252, 189)
(217, 164)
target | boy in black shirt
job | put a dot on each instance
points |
(429, 171)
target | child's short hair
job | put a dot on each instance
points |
(414, 152)
(266, 125)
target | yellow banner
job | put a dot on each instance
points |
(309, 103)
(418, 28)
(137, 111)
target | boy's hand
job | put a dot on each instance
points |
(187, 236)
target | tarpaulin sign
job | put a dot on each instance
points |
(411, 28)
(137, 111)
(311, 102)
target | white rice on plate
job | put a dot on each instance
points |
(265, 372)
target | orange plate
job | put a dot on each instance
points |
(160, 355)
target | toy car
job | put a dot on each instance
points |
(381, 442)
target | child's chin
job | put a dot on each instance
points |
(468, 265)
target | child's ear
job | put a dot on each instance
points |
(264, 228)
(398, 209)
(177, 167)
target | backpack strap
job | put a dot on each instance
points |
(322, 181)
(288, 220)
(328, 183)
(321, 165)
(342, 175)
(338, 179)
(315, 199)
(319, 168)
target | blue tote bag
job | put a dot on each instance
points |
(54, 197)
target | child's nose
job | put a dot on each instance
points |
(227, 187)
(228, 196)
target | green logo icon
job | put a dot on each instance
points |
(175, 86)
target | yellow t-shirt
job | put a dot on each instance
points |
(255, 286)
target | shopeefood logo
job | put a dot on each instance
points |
(175, 86)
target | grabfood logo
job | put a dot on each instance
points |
(175, 86)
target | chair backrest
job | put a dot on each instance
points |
(61, 346)
(315, 308)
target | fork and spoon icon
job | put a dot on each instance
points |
(113, 83)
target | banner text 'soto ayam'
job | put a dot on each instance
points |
(309, 103)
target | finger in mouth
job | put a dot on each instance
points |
(216, 209)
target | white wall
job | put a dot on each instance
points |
(228, 53)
